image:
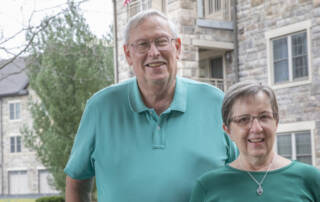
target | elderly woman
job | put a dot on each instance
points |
(250, 118)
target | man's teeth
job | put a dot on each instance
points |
(155, 64)
(256, 140)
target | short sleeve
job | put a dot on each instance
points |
(314, 183)
(81, 163)
(198, 193)
(232, 150)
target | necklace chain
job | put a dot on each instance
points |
(259, 189)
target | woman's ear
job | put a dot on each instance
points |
(227, 130)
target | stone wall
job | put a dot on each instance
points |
(24, 160)
(184, 15)
(255, 17)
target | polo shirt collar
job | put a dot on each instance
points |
(179, 102)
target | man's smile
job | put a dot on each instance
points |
(155, 64)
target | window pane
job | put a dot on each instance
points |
(281, 72)
(299, 55)
(17, 111)
(280, 49)
(303, 143)
(217, 5)
(18, 144)
(284, 145)
(217, 68)
(11, 106)
(299, 44)
(280, 60)
(134, 7)
(210, 6)
(305, 159)
(303, 147)
(12, 144)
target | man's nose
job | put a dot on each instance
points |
(153, 50)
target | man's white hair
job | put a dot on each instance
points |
(140, 17)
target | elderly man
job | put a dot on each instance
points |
(148, 139)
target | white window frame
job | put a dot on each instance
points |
(15, 109)
(285, 31)
(298, 127)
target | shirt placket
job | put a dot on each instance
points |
(158, 135)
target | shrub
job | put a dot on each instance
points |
(51, 199)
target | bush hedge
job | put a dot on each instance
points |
(51, 199)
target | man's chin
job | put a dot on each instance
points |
(159, 80)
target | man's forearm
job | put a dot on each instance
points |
(78, 190)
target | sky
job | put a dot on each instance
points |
(15, 14)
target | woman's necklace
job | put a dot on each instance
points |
(259, 189)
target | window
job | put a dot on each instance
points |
(44, 178)
(217, 5)
(211, 7)
(217, 67)
(135, 6)
(288, 51)
(14, 110)
(216, 71)
(160, 5)
(18, 182)
(295, 146)
(290, 58)
(15, 144)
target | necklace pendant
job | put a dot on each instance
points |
(260, 190)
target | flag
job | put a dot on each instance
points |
(126, 2)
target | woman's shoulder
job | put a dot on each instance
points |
(216, 175)
(305, 167)
(307, 171)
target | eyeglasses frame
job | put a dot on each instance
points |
(170, 39)
(249, 125)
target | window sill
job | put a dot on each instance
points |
(291, 84)
(16, 153)
(210, 23)
(15, 120)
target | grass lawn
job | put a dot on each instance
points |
(17, 200)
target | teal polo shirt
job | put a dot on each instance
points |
(138, 156)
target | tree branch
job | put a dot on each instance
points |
(39, 27)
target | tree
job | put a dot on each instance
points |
(67, 65)
(21, 49)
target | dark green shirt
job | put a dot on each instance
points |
(297, 182)
(138, 156)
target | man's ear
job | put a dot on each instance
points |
(178, 47)
(127, 54)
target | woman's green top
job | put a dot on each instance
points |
(293, 183)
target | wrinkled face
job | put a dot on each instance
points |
(155, 66)
(255, 139)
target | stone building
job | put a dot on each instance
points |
(21, 174)
(276, 42)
